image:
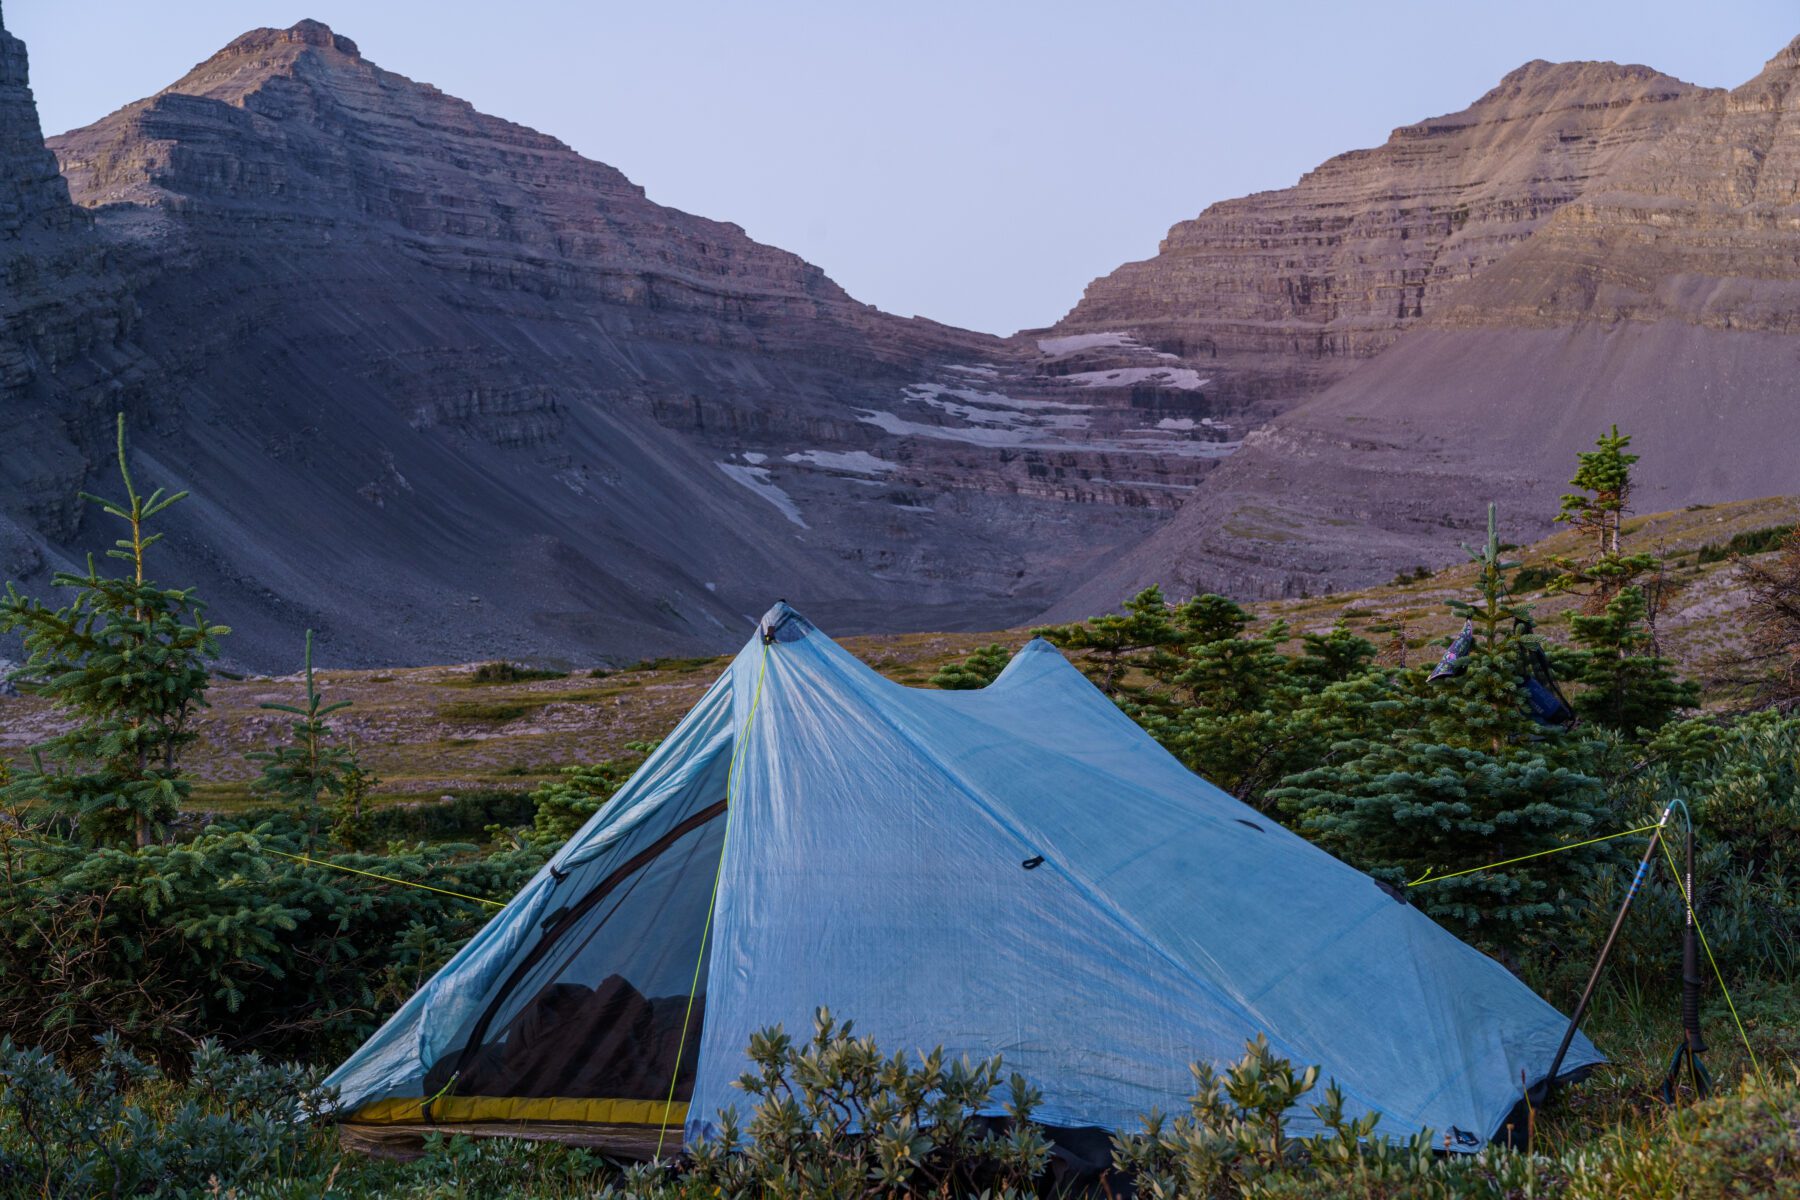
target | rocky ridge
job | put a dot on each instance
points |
(1662, 297)
(445, 388)
(1284, 292)
(65, 316)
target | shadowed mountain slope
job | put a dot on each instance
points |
(444, 388)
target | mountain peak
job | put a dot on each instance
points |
(306, 33)
(32, 191)
(1599, 80)
(1786, 59)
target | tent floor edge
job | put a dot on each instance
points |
(404, 1143)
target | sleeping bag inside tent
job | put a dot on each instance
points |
(1018, 870)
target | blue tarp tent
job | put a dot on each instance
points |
(1016, 870)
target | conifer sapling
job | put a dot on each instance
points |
(128, 662)
(312, 767)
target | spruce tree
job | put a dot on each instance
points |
(127, 662)
(348, 807)
(1627, 686)
(565, 804)
(1597, 513)
(1225, 671)
(1140, 637)
(1334, 657)
(311, 769)
(976, 671)
(1435, 777)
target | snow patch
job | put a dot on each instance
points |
(928, 393)
(1034, 439)
(988, 370)
(852, 462)
(757, 480)
(1181, 378)
(1062, 347)
(751, 456)
(996, 409)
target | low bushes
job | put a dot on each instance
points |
(834, 1116)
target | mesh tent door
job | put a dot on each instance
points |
(589, 1025)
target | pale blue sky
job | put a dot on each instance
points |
(973, 162)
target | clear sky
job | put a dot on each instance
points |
(977, 162)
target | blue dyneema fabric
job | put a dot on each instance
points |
(873, 862)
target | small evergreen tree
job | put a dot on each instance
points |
(1627, 686)
(1224, 671)
(1438, 776)
(1333, 657)
(349, 815)
(1485, 692)
(311, 768)
(1597, 513)
(1140, 637)
(976, 671)
(565, 803)
(127, 661)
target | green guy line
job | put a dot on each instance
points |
(1428, 877)
(411, 883)
(1687, 901)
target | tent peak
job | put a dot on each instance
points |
(782, 624)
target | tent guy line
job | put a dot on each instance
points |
(731, 772)
(1688, 904)
(1428, 877)
(412, 883)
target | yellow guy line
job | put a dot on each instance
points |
(1428, 877)
(319, 862)
(706, 930)
(1681, 886)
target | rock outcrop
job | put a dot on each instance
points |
(1664, 296)
(1285, 292)
(445, 389)
(65, 315)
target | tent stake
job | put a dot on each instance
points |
(1587, 993)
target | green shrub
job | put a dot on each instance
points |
(506, 672)
(1752, 541)
(1533, 578)
(464, 817)
(976, 671)
(226, 934)
(1418, 574)
(123, 1131)
(487, 710)
(834, 1116)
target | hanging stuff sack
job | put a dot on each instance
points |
(1542, 695)
(1452, 661)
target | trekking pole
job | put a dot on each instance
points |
(1692, 1044)
(1587, 993)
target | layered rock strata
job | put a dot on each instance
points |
(1284, 292)
(446, 389)
(1662, 297)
